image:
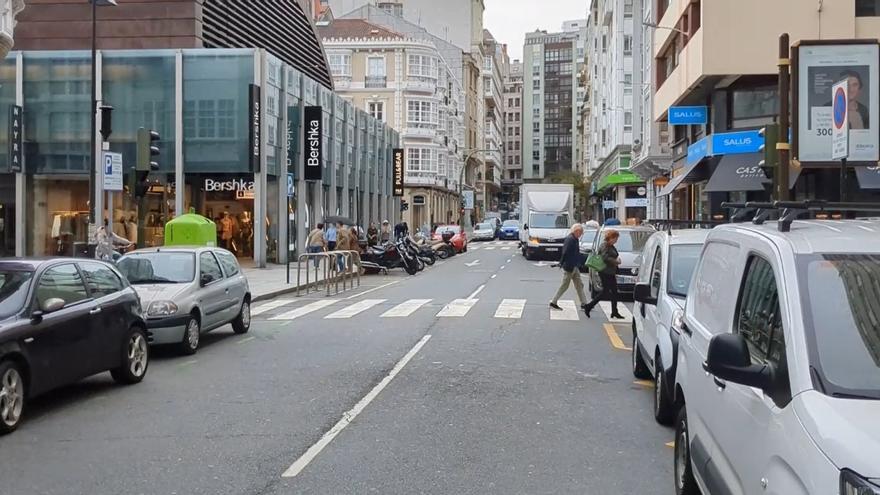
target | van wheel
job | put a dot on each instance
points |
(685, 484)
(12, 396)
(242, 322)
(663, 408)
(640, 369)
(191, 335)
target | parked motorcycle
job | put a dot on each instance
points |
(389, 256)
(420, 248)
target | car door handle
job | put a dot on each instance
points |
(95, 311)
(686, 329)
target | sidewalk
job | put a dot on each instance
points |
(269, 282)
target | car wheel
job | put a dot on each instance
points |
(191, 334)
(662, 401)
(135, 358)
(640, 369)
(12, 396)
(242, 322)
(685, 484)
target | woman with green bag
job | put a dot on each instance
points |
(605, 261)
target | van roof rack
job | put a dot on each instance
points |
(790, 210)
(669, 224)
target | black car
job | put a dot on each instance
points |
(62, 320)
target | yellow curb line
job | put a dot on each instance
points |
(616, 342)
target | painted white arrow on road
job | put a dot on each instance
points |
(472, 263)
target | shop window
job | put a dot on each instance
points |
(867, 8)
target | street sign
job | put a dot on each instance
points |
(468, 197)
(313, 135)
(732, 143)
(290, 186)
(839, 120)
(112, 171)
(688, 115)
(15, 141)
(609, 204)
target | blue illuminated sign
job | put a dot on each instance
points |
(698, 151)
(732, 143)
(688, 115)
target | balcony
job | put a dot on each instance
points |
(421, 84)
(342, 82)
(417, 130)
(376, 82)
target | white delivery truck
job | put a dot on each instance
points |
(546, 212)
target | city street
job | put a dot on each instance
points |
(457, 380)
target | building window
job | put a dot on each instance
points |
(421, 160)
(536, 127)
(627, 84)
(375, 72)
(536, 112)
(867, 8)
(376, 109)
(628, 121)
(536, 84)
(421, 114)
(627, 8)
(340, 64)
(627, 44)
(422, 66)
(395, 9)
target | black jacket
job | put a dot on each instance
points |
(571, 254)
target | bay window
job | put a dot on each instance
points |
(421, 114)
(422, 67)
(340, 64)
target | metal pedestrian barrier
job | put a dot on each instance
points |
(328, 264)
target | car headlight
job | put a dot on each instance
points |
(161, 308)
(534, 240)
(677, 321)
(853, 484)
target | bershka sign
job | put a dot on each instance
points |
(313, 130)
(212, 185)
(255, 121)
(397, 159)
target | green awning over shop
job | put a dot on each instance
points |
(620, 179)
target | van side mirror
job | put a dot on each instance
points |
(729, 359)
(642, 294)
(525, 226)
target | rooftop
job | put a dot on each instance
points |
(820, 236)
(355, 29)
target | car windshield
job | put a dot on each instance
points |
(14, 286)
(589, 236)
(842, 315)
(447, 228)
(682, 261)
(633, 241)
(510, 223)
(548, 221)
(485, 226)
(159, 267)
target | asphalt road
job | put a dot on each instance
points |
(491, 396)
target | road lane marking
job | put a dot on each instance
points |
(308, 308)
(269, 306)
(457, 308)
(474, 293)
(405, 309)
(355, 309)
(489, 248)
(506, 248)
(644, 383)
(569, 312)
(246, 339)
(188, 363)
(624, 311)
(615, 339)
(371, 290)
(352, 413)
(493, 276)
(472, 263)
(671, 445)
(510, 308)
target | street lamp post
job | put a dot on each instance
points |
(656, 26)
(93, 155)
(461, 176)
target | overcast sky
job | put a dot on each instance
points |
(509, 20)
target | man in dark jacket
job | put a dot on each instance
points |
(570, 261)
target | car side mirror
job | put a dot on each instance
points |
(729, 359)
(642, 294)
(205, 279)
(526, 227)
(52, 305)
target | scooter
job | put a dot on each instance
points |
(389, 256)
(421, 249)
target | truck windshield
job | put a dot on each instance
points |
(548, 221)
(842, 318)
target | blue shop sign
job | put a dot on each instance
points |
(698, 151)
(732, 143)
(688, 115)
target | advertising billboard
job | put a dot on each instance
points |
(397, 175)
(313, 133)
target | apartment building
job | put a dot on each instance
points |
(495, 68)
(722, 56)
(611, 45)
(512, 178)
(407, 84)
(549, 94)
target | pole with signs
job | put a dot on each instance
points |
(782, 189)
(840, 129)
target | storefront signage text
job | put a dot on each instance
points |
(255, 123)
(15, 141)
(688, 115)
(314, 143)
(212, 185)
(732, 143)
(698, 151)
(397, 157)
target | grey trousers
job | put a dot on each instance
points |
(568, 278)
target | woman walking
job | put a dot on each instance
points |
(608, 275)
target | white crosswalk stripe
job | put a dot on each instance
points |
(624, 311)
(307, 309)
(355, 309)
(489, 248)
(511, 308)
(457, 308)
(506, 248)
(269, 306)
(569, 312)
(405, 309)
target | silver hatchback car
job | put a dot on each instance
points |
(186, 291)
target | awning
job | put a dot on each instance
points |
(737, 173)
(620, 178)
(869, 177)
(678, 179)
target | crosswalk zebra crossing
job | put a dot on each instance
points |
(507, 309)
(493, 246)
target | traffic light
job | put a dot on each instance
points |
(147, 149)
(770, 160)
(404, 206)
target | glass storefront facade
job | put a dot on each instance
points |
(199, 102)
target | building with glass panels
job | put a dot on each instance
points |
(209, 106)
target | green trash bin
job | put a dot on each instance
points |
(191, 229)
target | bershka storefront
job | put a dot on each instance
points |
(228, 200)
